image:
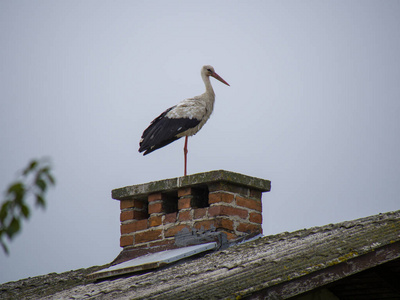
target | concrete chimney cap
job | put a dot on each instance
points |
(191, 181)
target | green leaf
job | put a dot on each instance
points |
(44, 170)
(4, 211)
(35, 180)
(25, 211)
(51, 178)
(31, 166)
(40, 201)
(13, 228)
(16, 193)
(41, 184)
(16, 188)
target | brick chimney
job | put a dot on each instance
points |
(216, 206)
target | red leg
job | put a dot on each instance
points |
(185, 151)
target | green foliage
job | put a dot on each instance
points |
(34, 182)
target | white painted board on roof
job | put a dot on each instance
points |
(152, 260)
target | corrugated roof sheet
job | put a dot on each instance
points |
(251, 267)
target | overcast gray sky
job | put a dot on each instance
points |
(313, 106)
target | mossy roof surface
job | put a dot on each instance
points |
(233, 273)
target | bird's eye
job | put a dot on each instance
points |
(209, 70)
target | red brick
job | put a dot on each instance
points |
(184, 192)
(220, 197)
(230, 236)
(220, 223)
(184, 203)
(126, 215)
(126, 204)
(142, 224)
(199, 213)
(155, 221)
(134, 226)
(256, 218)
(154, 197)
(222, 210)
(160, 243)
(170, 218)
(126, 240)
(255, 194)
(184, 215)
(131, 203)
(225, 223)
(132, 215)
(248, 203)
(174, 230)
(246, 227)
(147, 236)
(205, 225)
(155, 208)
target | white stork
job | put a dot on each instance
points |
(184, 119)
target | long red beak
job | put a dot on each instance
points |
(216, 76)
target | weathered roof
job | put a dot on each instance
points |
(41, 286)
(272, 266)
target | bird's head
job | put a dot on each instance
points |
(209, 71)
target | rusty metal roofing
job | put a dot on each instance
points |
(276, 267)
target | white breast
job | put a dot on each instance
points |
(199, 108)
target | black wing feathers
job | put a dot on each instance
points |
(163, 131)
